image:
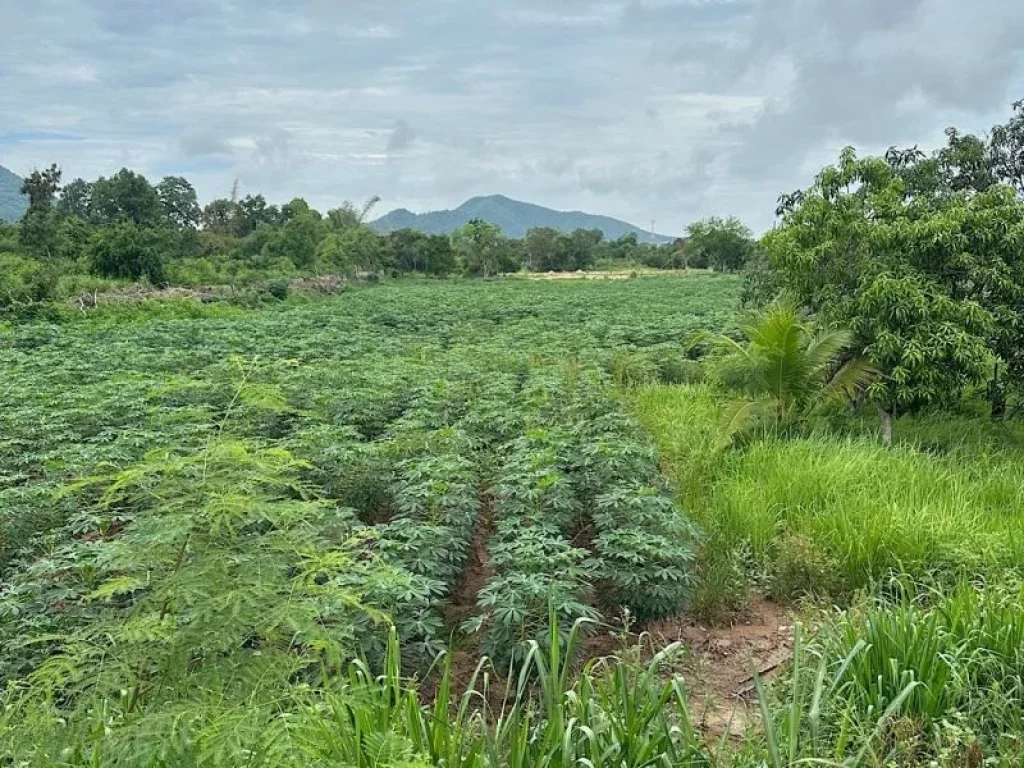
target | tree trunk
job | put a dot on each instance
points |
(886, 425)
(997, 395)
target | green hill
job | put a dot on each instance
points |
(514, 217)
(13, 204)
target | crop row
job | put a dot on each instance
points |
(584, 521)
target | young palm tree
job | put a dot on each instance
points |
(787, 371)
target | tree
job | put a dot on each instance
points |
(296, 240)
(965, 163)
(788, 371)
(352, 250)
(349, 216)
(126, 196)
(582, 248)
(414, 251)
(38, 229)
(542, 249)
(72, 238)
(41, 187)
(125, 250)
(255, 213)
(1006, 149)
(903, 272)
(723, 244)
(437, 257)
(75, 199)
(479, 246)
(178, 201)
(295, 208)
(223, 216)
(623, 248)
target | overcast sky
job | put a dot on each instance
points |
(641, 109)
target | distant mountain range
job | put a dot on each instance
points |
(13, 204)
(514, 217)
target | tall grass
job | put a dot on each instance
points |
(961, 653)
(609, 713)
(828, 514)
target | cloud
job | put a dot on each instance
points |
(203, 142)
(401, 137)
(641, 109)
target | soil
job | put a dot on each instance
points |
(461, 603)
(719, 665)
(612, 274)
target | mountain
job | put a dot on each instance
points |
(13, 204)
(514, 217)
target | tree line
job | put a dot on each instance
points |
(124, 227)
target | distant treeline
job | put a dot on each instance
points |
(124, 228)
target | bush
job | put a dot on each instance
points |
(26, 280)
(632, 369)
(127, 251)
(279, 288)
(674, 368)
(802, 568)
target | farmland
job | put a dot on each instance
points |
(322, 469)
(220, 525)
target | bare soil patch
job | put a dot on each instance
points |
(719, 666)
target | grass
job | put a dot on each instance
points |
(614, 712)
(831, 513)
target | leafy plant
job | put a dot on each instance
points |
(787, 371)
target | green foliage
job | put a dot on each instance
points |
(426, 254)
(833, 513)
(482, 249)
(37, 230)
(178, 201)
(787, 371)
(946, 658)
(75, 199)
(125, 250)
(929, 285)
(725, 245)
(192, 553)
(1006, 149)
(26, 281)
(129, 197)
(546, 249)
(296, 241)
(351, 251)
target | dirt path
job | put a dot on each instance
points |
(718, 667)
(461, 603)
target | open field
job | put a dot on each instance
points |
(207, 512)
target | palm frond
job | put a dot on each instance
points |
(824, 347)
(739, 417)
(854, 375)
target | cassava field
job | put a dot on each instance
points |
(449, 523)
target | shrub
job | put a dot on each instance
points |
(128, 251)
(279, 288)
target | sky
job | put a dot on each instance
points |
(646, 110)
